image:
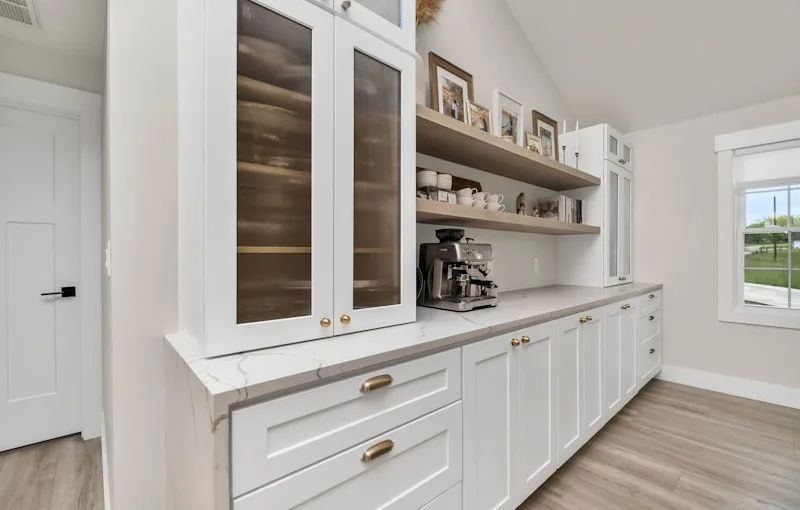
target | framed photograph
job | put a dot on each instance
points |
(479, 117)
(547, 130)
(451, 88)
(507, 118)
(533, 143)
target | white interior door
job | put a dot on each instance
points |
(39, 253)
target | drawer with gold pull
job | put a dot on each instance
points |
(649, 326)
(406, 467)
(649, 303)
(271, 439)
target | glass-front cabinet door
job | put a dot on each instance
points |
(618, 148)
(269, 174)
(394, 20)
(617, 230)
(375, 216)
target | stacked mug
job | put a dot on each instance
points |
(471, 197)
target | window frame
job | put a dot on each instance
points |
(731, 226)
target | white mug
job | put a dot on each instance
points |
(466, 192)
(495, 198)
(465, 201)
(480, 195)
(494, 206)
(426, 178)
(479, 204)
(444, 181)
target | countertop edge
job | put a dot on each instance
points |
(237, 395)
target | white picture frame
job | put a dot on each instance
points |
(504, 109)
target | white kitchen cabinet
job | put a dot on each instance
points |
(510, 403)
(402, 469)
(591, 339)
(605, 260)
(618, 148)
(490, 400)
(570, 408)
(450, 500)
(630, 352)
(649, 359)
(617, 229)
(536, 449)
(287, 115)
(394, 20)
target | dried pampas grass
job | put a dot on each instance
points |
(427, 10)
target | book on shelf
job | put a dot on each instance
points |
(561, 208)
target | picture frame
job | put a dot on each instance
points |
(479, 117)
(451, 88)
(533, 143)
(547, 130)
(507, 120)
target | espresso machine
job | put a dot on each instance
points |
(455, 274)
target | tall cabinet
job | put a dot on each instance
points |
(297, 137)
(606, 260)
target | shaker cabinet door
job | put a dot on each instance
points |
(570, 408)
(490, 399)
(630, 352)
(394, 20)
(536, 450)
(612, 360)
(617, 231)
(375, 217)
(268, 172)
(591, 337)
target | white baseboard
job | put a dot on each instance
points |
(104, 454)
(754, 390)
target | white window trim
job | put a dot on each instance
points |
(730, 286)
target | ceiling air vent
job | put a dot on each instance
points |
(21, 11)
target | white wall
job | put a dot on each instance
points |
(675, 226)
(483, 38)
(29, 61)
(142, 191)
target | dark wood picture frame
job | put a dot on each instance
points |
(539, 116)
(435, 62)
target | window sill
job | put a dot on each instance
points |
(789, 319)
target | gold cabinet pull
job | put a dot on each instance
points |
(652, 351)
(652, 296)
(583, 320)
(345, 319)
(626, 307)
(515, 342)
(652, 318)
(526, 340)
(378, 450)
(374, 383)
(325, 323)
(623, 278)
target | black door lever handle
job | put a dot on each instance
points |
(65, 292)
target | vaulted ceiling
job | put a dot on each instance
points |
(643, 63)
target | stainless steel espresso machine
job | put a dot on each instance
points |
(455, 274)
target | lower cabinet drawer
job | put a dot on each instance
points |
(450, 500)
(649, 359)
(281, 436)
(649, 303)
(649, 326)
(403, 469)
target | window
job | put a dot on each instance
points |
(759, 226)
(769, 237)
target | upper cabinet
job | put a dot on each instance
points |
(618, 148)
(394, 20)
(295, 127)
(618, 225)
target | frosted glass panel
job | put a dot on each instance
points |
(613, 223)
(388, 9)
(613, 145)
(625, 219)
(376, 259)
(626, 153)
(273, 166)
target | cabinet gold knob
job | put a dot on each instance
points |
(589, 318)
(652, 318)
(346, 4)
(622, 160)
(325, 323)
(345, 319)
(626, 307)
(378, 450)
(515, 342)
(526, 340)
(652, 351)
(651, 296)
(583, 320)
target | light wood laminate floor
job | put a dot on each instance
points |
(675, 447)
(62, 474)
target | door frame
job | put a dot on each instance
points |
(86, 108)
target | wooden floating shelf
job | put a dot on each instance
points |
(439, 213)
(446, 138)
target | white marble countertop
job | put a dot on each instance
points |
(257, 374)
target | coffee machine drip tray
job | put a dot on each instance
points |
(461, 304)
